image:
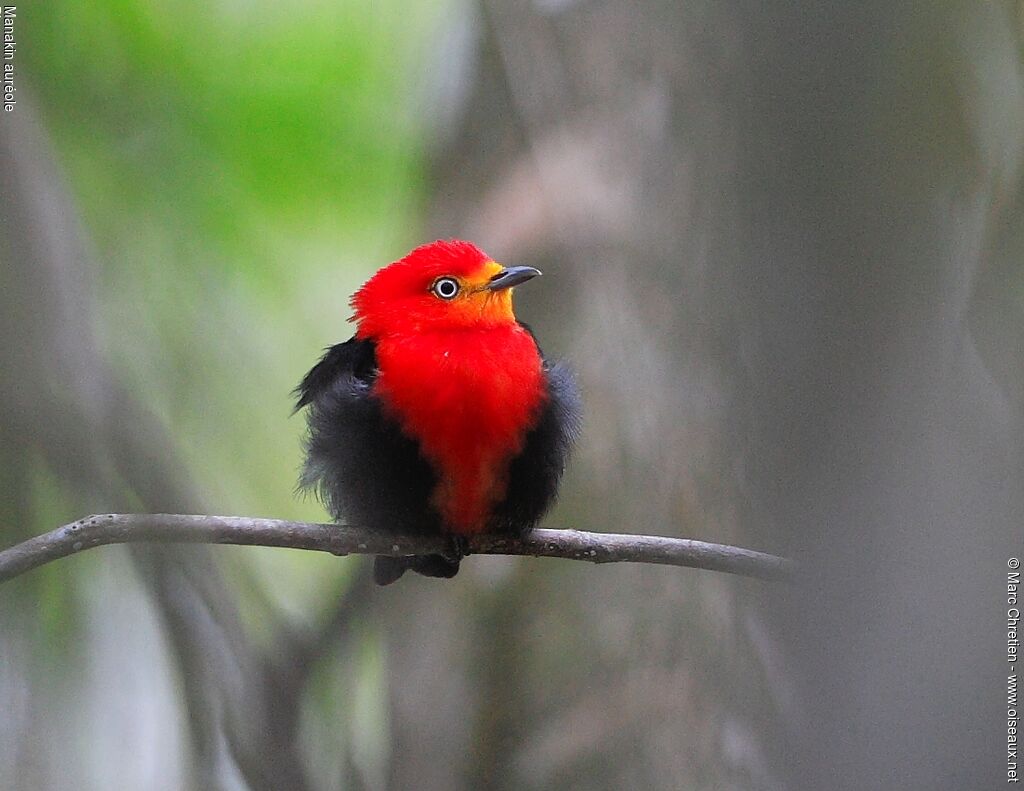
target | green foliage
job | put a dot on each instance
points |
(239, 170)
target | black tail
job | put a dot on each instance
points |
(389, 569)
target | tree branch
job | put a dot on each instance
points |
(98, 530)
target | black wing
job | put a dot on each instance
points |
(365, 470)
(353, 358)
(534, 475)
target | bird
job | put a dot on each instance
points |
(441, 415)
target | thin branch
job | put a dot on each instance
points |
(98, 530)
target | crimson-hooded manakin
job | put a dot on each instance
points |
(441, 414)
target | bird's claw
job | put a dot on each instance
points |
(458, 549)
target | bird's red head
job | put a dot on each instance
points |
(444, 285)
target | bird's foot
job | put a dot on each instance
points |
(459, 548)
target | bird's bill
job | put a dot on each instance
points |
(511, 276)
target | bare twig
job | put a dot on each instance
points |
(98, 530)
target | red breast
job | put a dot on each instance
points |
(468, 397)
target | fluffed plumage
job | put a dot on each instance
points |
(441, 415)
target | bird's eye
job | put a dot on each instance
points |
(445, 288)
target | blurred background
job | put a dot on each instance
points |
(782, 248)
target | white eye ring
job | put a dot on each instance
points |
(445, 288)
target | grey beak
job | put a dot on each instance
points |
(511, 276)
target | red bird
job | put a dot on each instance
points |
(441, 414)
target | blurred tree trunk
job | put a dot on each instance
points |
(599, 142)
(782, 250)
(884, 424)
